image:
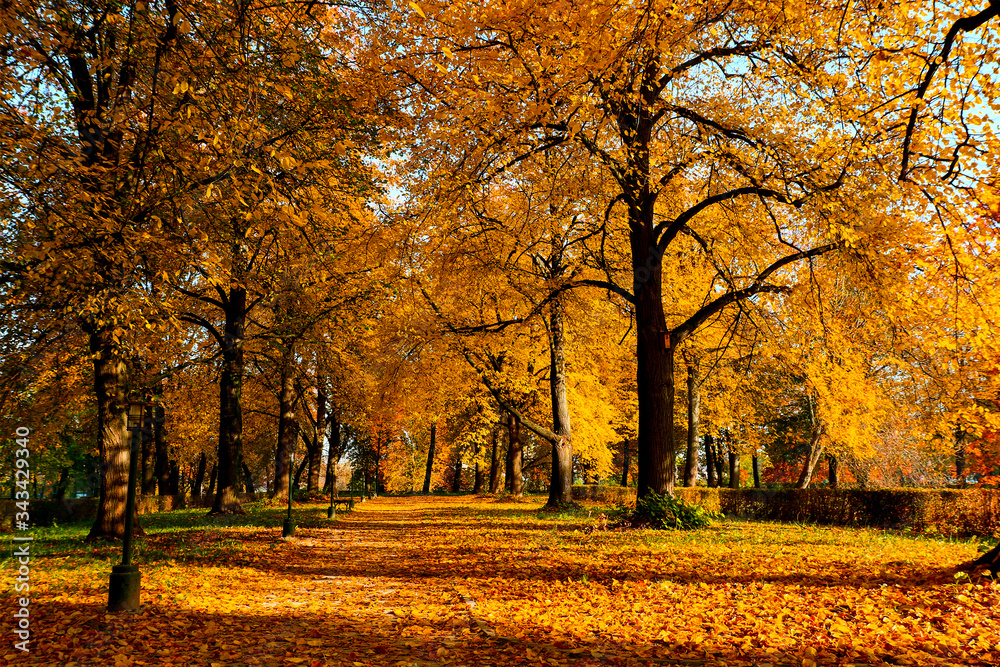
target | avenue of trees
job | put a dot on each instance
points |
(435, 245)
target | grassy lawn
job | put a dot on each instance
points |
(463, 580)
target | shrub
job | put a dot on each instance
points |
(666, 511)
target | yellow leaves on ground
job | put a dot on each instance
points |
(436, 581)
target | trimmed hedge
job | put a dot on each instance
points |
(46, 512)
(952, 512)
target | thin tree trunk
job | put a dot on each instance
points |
(248, 484)
(174, 485)
(756, 472)
(148, 463)
(162, 452)
(319, 434)
(430, 459)
(333, 454)
(720, 466)
(456, 482)
(515, 453)
(694, 423)
(713, 480)
(113, 439)
(815, 451)
(298, 472)
(212, 478)
(288, 427)
(561, 483)
(961, 441)
(832, 477)
(494, 461)
(626, 460)
(199, 478)
(230, 406)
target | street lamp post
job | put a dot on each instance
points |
(123, 591)
(288, 528)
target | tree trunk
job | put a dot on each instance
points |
(248, 484)
(298, 472)
(430, 459)
(515, 454)
(212, 478)
(989, 560)
(149, 476)
(756, 472)
(174, 485)
(654, 353)
(720, 465)
(288, 428)
(319, 434)
(162, 452)
(230, 406)
(480, 479)
(961, 440)
(199, 477)
(59, 492)
(626, 460)
(694, 423)
(832, 479)
(456, 482)
(378, 463)
(713, 481)
(734, 469)
(494, 461)
(561, 483)
(333, 454)
(113, 439)
(815, 451)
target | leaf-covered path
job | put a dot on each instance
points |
(443, 581)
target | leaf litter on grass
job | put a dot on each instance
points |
(459, 580)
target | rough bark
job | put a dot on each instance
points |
(430, 459)
(230, 405)
(694, 423)
(561, 481)
(515, 454)
(655, 355)
(113, 439)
